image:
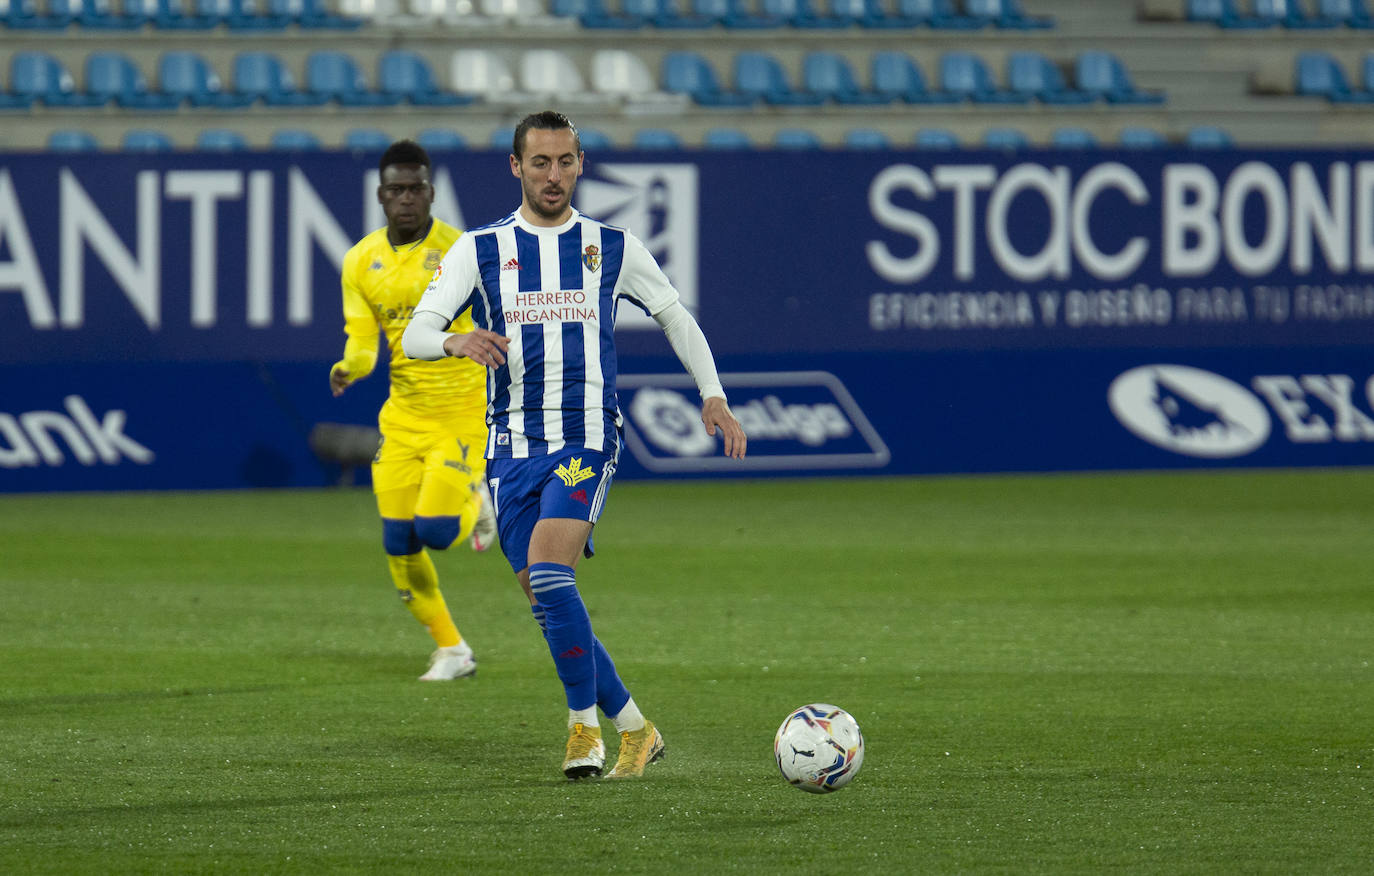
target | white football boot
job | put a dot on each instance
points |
(446, 664)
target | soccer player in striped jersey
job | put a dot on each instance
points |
(542, 287)
(428, 471)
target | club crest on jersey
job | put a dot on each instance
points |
(591, 257)
(375, 266)
(573, 473)
(432, 259)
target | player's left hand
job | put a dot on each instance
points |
(338, 379)
(481, 346)
(715, 414)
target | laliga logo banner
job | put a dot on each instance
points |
(794, 420)
(658, 204)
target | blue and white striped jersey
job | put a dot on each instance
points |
(554, 293)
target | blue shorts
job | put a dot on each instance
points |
(568, 484)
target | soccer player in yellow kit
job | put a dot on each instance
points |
(428, 473)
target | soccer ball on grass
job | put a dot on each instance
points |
(819, 748)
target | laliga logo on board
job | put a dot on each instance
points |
(1189, 411)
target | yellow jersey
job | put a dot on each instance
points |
(381, 286)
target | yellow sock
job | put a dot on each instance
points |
(418, 582)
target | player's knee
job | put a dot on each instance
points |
(438, 532)
(399, 538)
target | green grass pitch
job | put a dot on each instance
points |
(1147, 673)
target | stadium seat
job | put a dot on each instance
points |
(796, 138)
(964, 74)
(1207, 137)
(182, 14)
(1035, 76)
(262, 76)
(939, 14)
(146, 140)
(690, 74)
(72, 140)
(936, 138)
(802, 14)
(592, 138)
(622, 75)
(1004, 14)
(314, 14)
(866, 138)
(24, 15)
(761, 75)
(41, 78)
(671, 14)
(596, 15)
(186, 77)
(1141, 138)
(518, 12)
(441, 140)
(1102, 74)
(101, 15)
(1073, 138)
(335, 76)
(1351, 13)
(896, 74)
(293, 140)
(407, 76)
(656, 138)
(367, 140)
(1289, 14)
(734, 14)
(1223, 13)
(547, 73)
(480, 73)
(726, 138)
(220, 140)
(1009, 139)
(1316, 74)
(829, 76)
(112, 76)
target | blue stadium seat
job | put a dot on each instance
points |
(796, 138)
(1223, 13)
(112, 76)
(249, 15)
(726, 138)
(407, 76)
(829, 75)
(656, 138)
(262, 76)
(99, 15)
(41, 78)
(939, 14)
(314, 14)
(187, 77)
(802, 14)
(180, 14)
(734, 14)
(589, 138)
(1351, 13)
(72, 140)
(220, 140)
(964, 74)
(896, 74)
(294, 140)
(336, 76)
(1141, 138)
(691, 74)
(596, 15)
(1367, 72)
(1004, 14)
(1316, 74)
(24, 15)
(1102, 74)
(1073, 138)
(1290, 15)
(441, 140)
(502, 138)
(866, 138)
(367, 140)
(1207, 137)
(760, 75)
(1034, 75)
(1009, 139)
(936, 138)
(671, 14)
(146, 140)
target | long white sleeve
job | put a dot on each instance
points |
(691, 347)
(424, 337)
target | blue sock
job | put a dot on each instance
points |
(611, 693)
(568, 631)
(538, 611)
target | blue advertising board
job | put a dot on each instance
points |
(168, 321)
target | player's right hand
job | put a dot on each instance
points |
(484, 347)
(338, 380)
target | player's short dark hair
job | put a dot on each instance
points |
(404, 152)
(548, 120)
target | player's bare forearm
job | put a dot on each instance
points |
(715, 414)
(484, 347)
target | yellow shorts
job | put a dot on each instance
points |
(428, 467)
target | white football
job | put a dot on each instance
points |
(819, 748)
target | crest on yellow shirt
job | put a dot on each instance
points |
(432, 259)
(573, 473)
(591, 257)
